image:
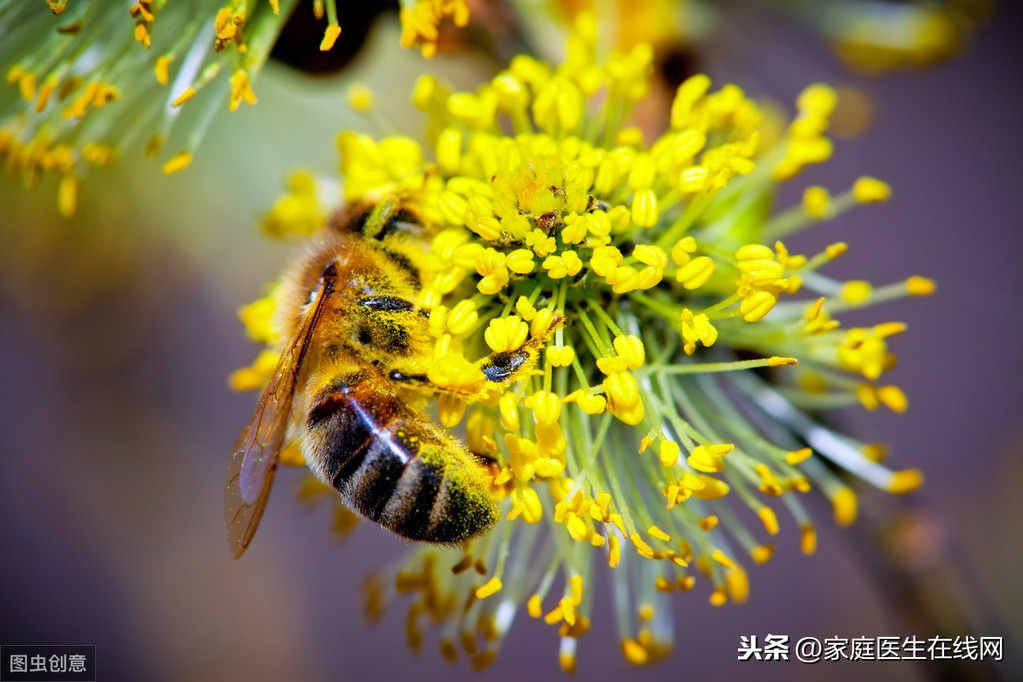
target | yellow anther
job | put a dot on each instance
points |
(542, 323)
(546, 407)
(653, 256)
(696, 272)
(178, 162)
(712, 488)
(845, 505)
(645, 211)
(762, 553)
(612, 364)
(697, 328)
(721, 558)
(524, 308)
(615, 553)
(448, 650)
(161, 69)
(755, 306)
(837, 249)
(560, 356)
(808, 539)
(868, 190)
(905, 481)
(605, 260)
(505, 334)
(893, 398)
(708, 458)
(534, 606)
(754, 252)
(553, 617)
(634, 652)
(662, 584)
(590, 404)
(769, 519)
(856, 291)
(817, 202)
(641, 546)
(507, 406)
(67, 196)
(798, 456)
(567, 606)
(709, 522)
(719, 597)
(630, 348)
(737, 585)
(188, 94)
(462, 317)
(520, 261)
(450, 409)
(658, 533)
(576, 581)
(448, 146)
(682, 250)
(920, 286)
(492, 586)
(668, 453)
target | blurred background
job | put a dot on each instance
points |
(118, 329)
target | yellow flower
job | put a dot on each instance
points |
(630, 440)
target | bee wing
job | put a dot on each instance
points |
(254, 460)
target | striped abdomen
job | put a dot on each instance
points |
(393, 466)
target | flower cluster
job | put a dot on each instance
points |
(669, 421)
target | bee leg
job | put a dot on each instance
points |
(508, 366)
(410, 378)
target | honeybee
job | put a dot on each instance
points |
(358, 343)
